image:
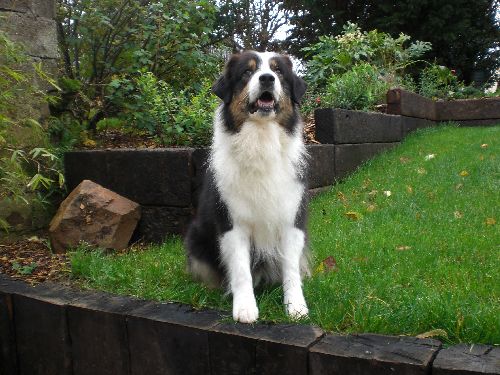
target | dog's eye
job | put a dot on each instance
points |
(248, 72)
(277, 71)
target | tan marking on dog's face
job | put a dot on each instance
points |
(239, 107)
(252, 65)
(285, 110)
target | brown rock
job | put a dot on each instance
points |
(95, 215)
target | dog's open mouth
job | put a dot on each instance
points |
(264, 103)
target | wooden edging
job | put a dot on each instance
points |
(469, 112)
(54, 329)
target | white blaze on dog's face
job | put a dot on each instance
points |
(259, 86)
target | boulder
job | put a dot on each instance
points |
(95, 215)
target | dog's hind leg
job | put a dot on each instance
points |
(235, 252)
(292, 247)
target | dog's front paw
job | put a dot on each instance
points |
(245, 309)
(296, 306)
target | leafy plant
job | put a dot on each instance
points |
(175, 117)
(24, 269)
(337, 55)
(437, 81)
(359, 88)
(103, 38)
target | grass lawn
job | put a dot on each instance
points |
(412, 237)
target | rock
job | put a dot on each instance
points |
(96, 215)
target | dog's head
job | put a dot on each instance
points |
(259, 86)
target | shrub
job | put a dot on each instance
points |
(359, 88)
(339, 54)
(174, 117)
(440, 82)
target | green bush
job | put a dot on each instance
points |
(339, 54)
(440, 82)
(359, 88)
(174, 117)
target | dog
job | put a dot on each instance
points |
(250, 226)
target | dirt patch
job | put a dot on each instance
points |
(32, 261)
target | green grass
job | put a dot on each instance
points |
(425, 257)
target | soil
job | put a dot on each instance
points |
(31, 260)
(112, 139)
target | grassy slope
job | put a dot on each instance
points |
(426, 257)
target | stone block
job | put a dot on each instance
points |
(464, 359)
(321, 165)
(405, 103)
(159, 222)
(261, 349)
(98, 331)
(349, 157)
(38, 35)
(468, 109)
(343, 126)
(41, 8)
(159, 177)
(169, 339)
(370, 354)
(94, 215)
(410, 124)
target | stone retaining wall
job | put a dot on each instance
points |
(53, 329)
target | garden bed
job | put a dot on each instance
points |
(169, 333)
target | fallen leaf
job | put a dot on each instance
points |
(421, 171)
(35, 239)
(341, 196)
(404, 159)
(89, 143)
(458, 215)
(371, 207)
(403, 248)
(464, 173)
(484, 145)
(327, 265)
(490, 221)
(429, 157)
(387, 193)
(353, 215)
(409, 189)
(433, 333)
(458, 186)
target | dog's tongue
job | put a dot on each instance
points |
(265, 103)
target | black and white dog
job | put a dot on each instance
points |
(250, 224)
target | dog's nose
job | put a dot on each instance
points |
(266, 78)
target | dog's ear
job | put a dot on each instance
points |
(299, 87)
(222, 89)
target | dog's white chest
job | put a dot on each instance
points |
(257, 175)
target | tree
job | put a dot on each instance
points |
(102, 39)
(249, 24)
(464, 34)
